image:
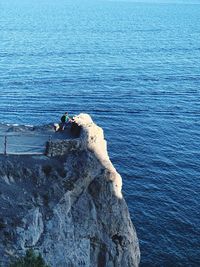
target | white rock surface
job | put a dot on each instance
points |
(69, 208)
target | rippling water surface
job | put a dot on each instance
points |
(136, 69)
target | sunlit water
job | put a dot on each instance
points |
(136, 69)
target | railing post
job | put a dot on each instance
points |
(5, 145)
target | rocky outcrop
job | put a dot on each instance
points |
(69, 207)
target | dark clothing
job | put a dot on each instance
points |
(64, 119)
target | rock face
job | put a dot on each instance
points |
(69, 207)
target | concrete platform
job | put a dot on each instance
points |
(29, 140)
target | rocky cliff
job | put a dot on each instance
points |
(69, 206)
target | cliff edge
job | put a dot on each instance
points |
(67, 205)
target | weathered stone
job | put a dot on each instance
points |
(68, 206)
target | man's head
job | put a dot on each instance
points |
(66, 113)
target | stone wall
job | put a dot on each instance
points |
(61, 147)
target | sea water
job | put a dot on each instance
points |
(135, 67)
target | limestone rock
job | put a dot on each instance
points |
(69, 207)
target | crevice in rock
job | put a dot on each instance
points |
(117, 239)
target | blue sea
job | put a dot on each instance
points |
(135, 67)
